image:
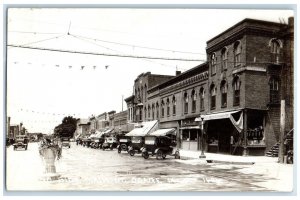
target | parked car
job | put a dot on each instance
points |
(110, 142)
(161, 146)
(65, 142)
(21, 141)
(86, 142)
(137, 142)
(123, 143)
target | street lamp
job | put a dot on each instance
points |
(202, 133)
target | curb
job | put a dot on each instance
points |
(218, 161)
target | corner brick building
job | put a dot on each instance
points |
(237, 92)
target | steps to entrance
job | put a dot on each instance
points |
(273, 152)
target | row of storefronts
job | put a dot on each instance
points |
(237, 94)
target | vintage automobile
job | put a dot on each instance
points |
(137, 142)
(110, 142)
(21, 141)
(160, 143)
(123, 143)
(65, 142)
(86, 141)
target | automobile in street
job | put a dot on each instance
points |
(110, 142)
(21, 142)
(137, 142)
(123, 143)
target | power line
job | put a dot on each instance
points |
(133, 45)
(30, 32)
(101, 54)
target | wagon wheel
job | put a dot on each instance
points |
(145, 155)
(159, 155)
(131, 152)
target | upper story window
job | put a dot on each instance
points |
(168, 107)
(275, 50)
(274, 90)
(213, 92)
(162, 108)
(157, 110)
(237, 50)
(194, 98)
(142, 93)
(174, 105)
(223, 94)
(145, 112)
(149, 111)
(202, 99)
(139, 94)
(213, 60)
(186, 102)
(236, 91)
(153, 110)
(224, 56)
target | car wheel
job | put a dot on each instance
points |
(159, 155)
(131, 152)
(164, 156)
(145, 155)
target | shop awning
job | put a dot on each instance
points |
(164, 132)
(144, 129)
(98, 134)
(215, 116)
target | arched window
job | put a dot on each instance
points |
(194, 98)
(139, 95)
(224, 55)
(157, 110)
(275, 50)
(149, 111)
(162, 108)
(202, 99)
(223, 94)
(236, 91)
(274, 90)
(168, 107)
(174, 105)
(213, 92)
(142, 93)
(145, 113)
(186, 102)
(237, 49)
(153, 110)
(213, 60)
(145, 89)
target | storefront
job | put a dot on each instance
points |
(190, 135)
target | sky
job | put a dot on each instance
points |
(45, 86)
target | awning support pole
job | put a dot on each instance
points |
(245, 150)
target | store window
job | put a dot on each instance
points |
(213, 97)
(223, 94)
(174, 105)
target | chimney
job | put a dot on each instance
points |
(178, 73)
(291, 21)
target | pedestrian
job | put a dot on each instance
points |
(231, 143)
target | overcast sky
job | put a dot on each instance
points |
(43, 86)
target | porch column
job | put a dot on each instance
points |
(245, 150)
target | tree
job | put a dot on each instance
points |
(66, 128)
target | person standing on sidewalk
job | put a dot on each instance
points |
(231, 144)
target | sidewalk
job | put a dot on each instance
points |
(224, 158)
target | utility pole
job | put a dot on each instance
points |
(282, 131)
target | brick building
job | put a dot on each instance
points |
(237, 92)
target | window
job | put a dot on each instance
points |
(274, 90)
(139, 95)
(141, 114)
(213, 63)
(149, 111)
(145, 112)
(236, 91)
(153, 110)
(157, 110)
(194, 98)
(213, 97)
(275, 50)
(224, 55)
(162, 108)
(223, 94)
(174, 105)
(168, 107)
(142, 94)
(237, 53)
(145, 88)
(201, 99)
(186, 103)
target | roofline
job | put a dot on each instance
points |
(241, 22)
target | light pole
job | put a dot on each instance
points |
(202, 138)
